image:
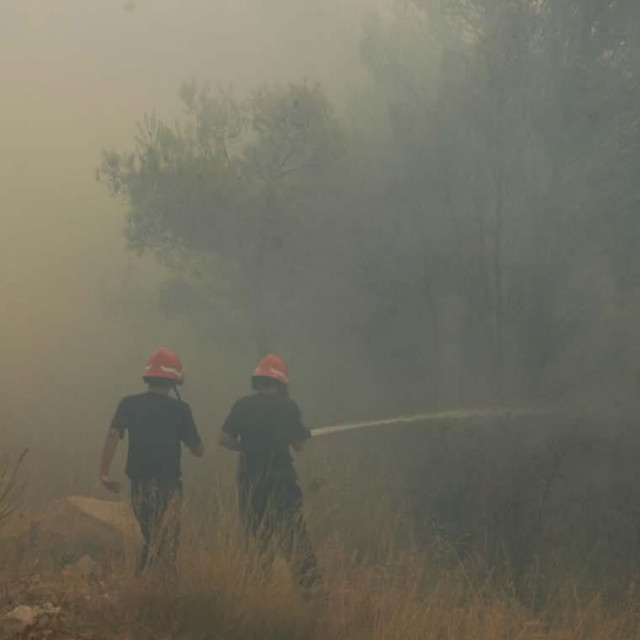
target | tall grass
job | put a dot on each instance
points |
(221, 592)
(523, 530)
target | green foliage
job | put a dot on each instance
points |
(489, 181)
(222, 182)
(499, 114)
(206, 182)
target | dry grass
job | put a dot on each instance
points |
(376, 490)
(221, 594)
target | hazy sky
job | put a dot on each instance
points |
(76, 75)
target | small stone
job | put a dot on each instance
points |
(23, 614)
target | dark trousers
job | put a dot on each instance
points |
(271, 512)
(156, 505)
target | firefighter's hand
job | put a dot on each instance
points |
(110, 484)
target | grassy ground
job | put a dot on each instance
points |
(220, 594)
(417, 529)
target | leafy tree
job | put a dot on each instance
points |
(489, 173)
(505, 119)
(226, 185)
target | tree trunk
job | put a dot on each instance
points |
(259, 320)
(498, 283)
(435, 370)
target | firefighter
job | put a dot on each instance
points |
(157, 425)
(263, 427)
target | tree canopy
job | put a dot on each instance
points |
(469, 227)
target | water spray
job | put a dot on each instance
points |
(453, 414)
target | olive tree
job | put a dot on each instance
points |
(222, 190)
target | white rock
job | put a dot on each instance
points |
(28, 616)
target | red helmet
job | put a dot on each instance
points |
(273, 367)
(163, 363)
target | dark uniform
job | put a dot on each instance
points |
(270, 498)
(157, 425)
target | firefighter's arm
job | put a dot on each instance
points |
(189, 433)
(108, 452)
(229, 437)
(228, 441)
(298, 444)
(300, 433)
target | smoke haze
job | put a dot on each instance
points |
(76, 78)
(474, 242)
